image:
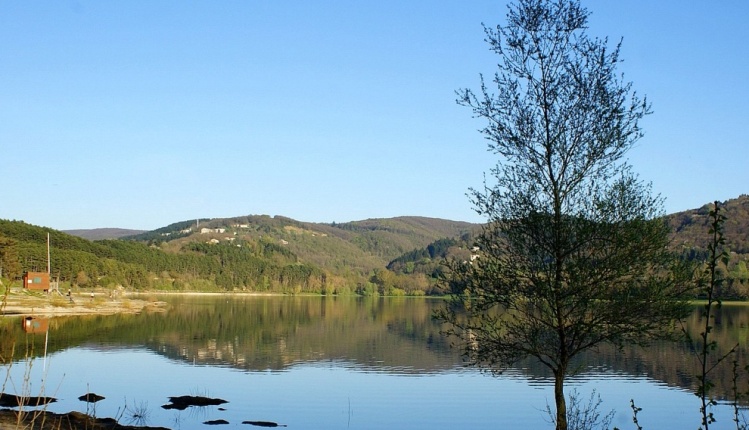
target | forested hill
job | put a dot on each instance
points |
(262, 253)
(690, 230)
(690, 237)
(258, 253)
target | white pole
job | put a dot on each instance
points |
(46, 340)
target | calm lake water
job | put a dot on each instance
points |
(332, 363)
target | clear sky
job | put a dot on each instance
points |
(137, 114)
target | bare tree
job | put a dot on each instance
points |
(574, 253)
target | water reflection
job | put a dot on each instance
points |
(394, 336)
(35, 325)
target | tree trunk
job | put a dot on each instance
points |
(560, 400)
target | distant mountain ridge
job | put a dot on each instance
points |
(103, 233)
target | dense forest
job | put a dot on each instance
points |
(395, 256)
(251, 253)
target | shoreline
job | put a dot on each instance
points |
(21, 303)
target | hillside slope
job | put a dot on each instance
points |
(255, 252)
(263, 253)
(690, 237)
(690, 228)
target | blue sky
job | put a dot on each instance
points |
(138, 114)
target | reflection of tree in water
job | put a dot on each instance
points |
(7, 344)
(376, 334)
(671, 362)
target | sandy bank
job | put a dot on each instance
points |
(25, 303)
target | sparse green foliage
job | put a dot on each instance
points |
(575, 250)
(709, 283)
(738, 417)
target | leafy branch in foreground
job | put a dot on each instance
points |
(709, 284)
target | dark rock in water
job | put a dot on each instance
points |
(216, 422)
(263, 423)
(13, 401)
(183, 402)
(91, 398)
(177, 406)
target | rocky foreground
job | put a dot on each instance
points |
(21, 302)
(45, 420)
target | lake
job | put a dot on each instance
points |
(334, 363)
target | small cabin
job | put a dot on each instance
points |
(36, 281)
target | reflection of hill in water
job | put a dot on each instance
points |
(274, 333)
(369, 334)
(266, 333)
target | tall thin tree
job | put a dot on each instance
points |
(574, 253)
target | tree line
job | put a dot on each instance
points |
(181, 263)
(260, 266)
